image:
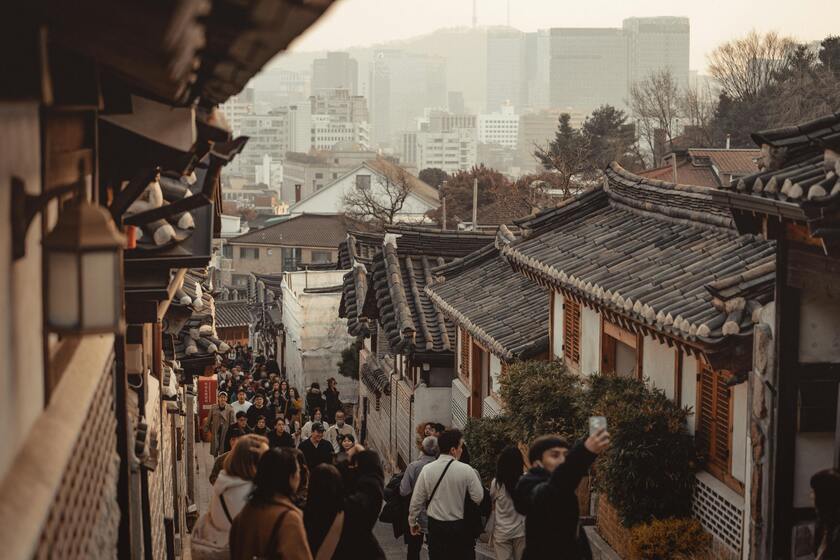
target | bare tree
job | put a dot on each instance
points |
(745, 67)
(697, 107)
(381, 200)
(655, 105)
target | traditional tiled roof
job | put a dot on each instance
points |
(741, 161)
(375, 372)
(800, 172)
(232, 313)
(687, 174)
(502, 309)
(304, 230)
(357, 253)
(399, 275)
(652, 252)
(189, 322)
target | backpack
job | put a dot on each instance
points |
(395, 511)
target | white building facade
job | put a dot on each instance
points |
(500, 128)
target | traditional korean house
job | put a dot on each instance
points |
(111, 178)
(794, 200)
(233, 321)
(501, 317)
(651, 280)
(407, 344)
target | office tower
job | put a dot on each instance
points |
(336, 70)
(588, 68)
(404, 84)
(506, 80)
(500, 127)
(656, 43)
(537, 65)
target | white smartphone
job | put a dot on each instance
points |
(597, 423)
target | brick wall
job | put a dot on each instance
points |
(610, 528)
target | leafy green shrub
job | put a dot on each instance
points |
(669, 539)
(486, 437)
(541, 398)
(348, 365)
(648, 471)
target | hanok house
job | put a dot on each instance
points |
(110, 179)
(705, 167)
(407, 344)
(795, 200)
(651, 280)
(233, 321)
(292, 244)
(501, 317)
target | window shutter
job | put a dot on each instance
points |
(714, 430)
(571, 331)
(465, 352)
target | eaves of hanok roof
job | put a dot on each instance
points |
(503, 310)
(410, 322)
(232, 313)
(651, 253)
(189, 324)
(799, 180)
(356, 253)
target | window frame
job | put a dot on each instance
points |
(706, 434)
(571, 331)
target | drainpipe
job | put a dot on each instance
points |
(728, 138)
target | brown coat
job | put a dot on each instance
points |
(250, 534)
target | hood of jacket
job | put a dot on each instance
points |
(226, 482)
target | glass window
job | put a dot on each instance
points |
(362, 181)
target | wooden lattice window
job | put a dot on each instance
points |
(571, 331)
(714, 425)
(464, 349)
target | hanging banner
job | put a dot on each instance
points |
(207, 390)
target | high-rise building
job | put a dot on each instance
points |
(339, 103)
(404, 84)
(456, 102)
(506, 67)
(336, 70)
(500, 127)
(237, 107)
(595, 66)
(451, 151)
(537, 67)
(339, 118)
(588, 68)
(656, 43)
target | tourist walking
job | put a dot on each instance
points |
(270, 525)
(280, 436)
(219, 419)
(429, 448)
(332, 400)
(317, 418)
(545, 495)
(509, 528)
(323, 515)
(230, 493)
(314, 399)
(442, 486)
(340, 428)
(364, 484)
(315, 448)
(259, 409)
(241, 404)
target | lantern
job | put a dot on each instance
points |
(83, 256)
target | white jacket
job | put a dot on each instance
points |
(214, 525)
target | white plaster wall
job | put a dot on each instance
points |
(557, 326)
(315, 335)
(590, 342)
(739, 431)
(658, 365)
(813, 453)
(689, 389)
(433, 404)
(330, 199)
(22, 378)
(819, 327)
(495, 372)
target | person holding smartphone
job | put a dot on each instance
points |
(545, 495)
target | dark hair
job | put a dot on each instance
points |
(439, 428)
(342, 437)
(317, 427)
(449, 440)
(235, 431)
(509, 468)
(826, 487)
(325, 500)
(368, 463)
(275, 468)
(241, 414)
(543, 444)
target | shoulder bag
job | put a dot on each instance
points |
(271, 550)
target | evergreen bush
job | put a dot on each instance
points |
(486, 438)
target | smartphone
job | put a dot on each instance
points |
(597, 423)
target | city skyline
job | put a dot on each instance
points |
(340, 28)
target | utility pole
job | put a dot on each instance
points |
(475, 204)
(443, 226)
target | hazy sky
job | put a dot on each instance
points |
(364, 22)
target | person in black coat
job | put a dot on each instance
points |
(314, 399)
(333, 401)
(545, 495)
(364, 484)
(260, 409)
(316, 449)
(279, 437)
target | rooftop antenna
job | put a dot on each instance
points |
(475, 19)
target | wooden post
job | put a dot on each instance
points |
(475, 205)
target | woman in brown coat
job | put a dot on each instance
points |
(270, 526)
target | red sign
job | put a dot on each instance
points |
(207, 390)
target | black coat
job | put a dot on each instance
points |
(363, 501)
(254, 412)
(316, 455)
(333, 404)
(283, 440)
(549, 502)
(314, 399)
